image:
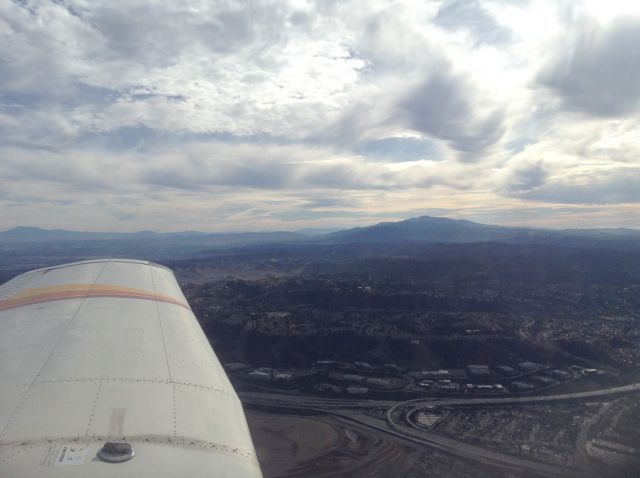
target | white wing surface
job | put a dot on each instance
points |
(109, 351)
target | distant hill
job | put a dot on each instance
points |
(32, 247)
(431, 229)
(444, 230)
(423, 229)
(36, 234)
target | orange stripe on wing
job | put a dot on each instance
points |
(81, 291)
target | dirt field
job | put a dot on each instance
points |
(291, 446)
(284, 441)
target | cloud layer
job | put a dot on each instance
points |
(228, 115)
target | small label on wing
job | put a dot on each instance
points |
(65, 454)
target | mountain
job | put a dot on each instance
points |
(36, 234)
(415, 230)
(317, 231)
(431, 229)
(444, 230)
(31, 247)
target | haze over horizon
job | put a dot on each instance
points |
(425, 220)
(283, 115)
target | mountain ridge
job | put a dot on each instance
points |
(446, 230)
(416, 229)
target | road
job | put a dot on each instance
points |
(601, 393)
(348, 409)
(298, 401)
(301, 401)
(581, 441)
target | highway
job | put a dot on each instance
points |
(601, 393)
(396, 426)
(581, 440)
(301, 401)
(432, 440)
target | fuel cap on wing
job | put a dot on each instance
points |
(116, 452)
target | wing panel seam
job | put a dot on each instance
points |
(180, 441)
(164, 342)
(93, 408)
(131, 380)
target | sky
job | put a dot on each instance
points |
(127, 115)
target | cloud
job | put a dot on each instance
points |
(610, 186)
(442, 107)
(411, 90)
(399, 149)
(281, 167)
(35, 130)
(525, 179)
(169, 115)
(234, 67)
(471, 16)
(596, 70)
(329, 202)
(159, 33)
(127, 216)
(41, 44)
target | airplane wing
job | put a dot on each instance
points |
(105, 372)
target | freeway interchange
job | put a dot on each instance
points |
(395, 419)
